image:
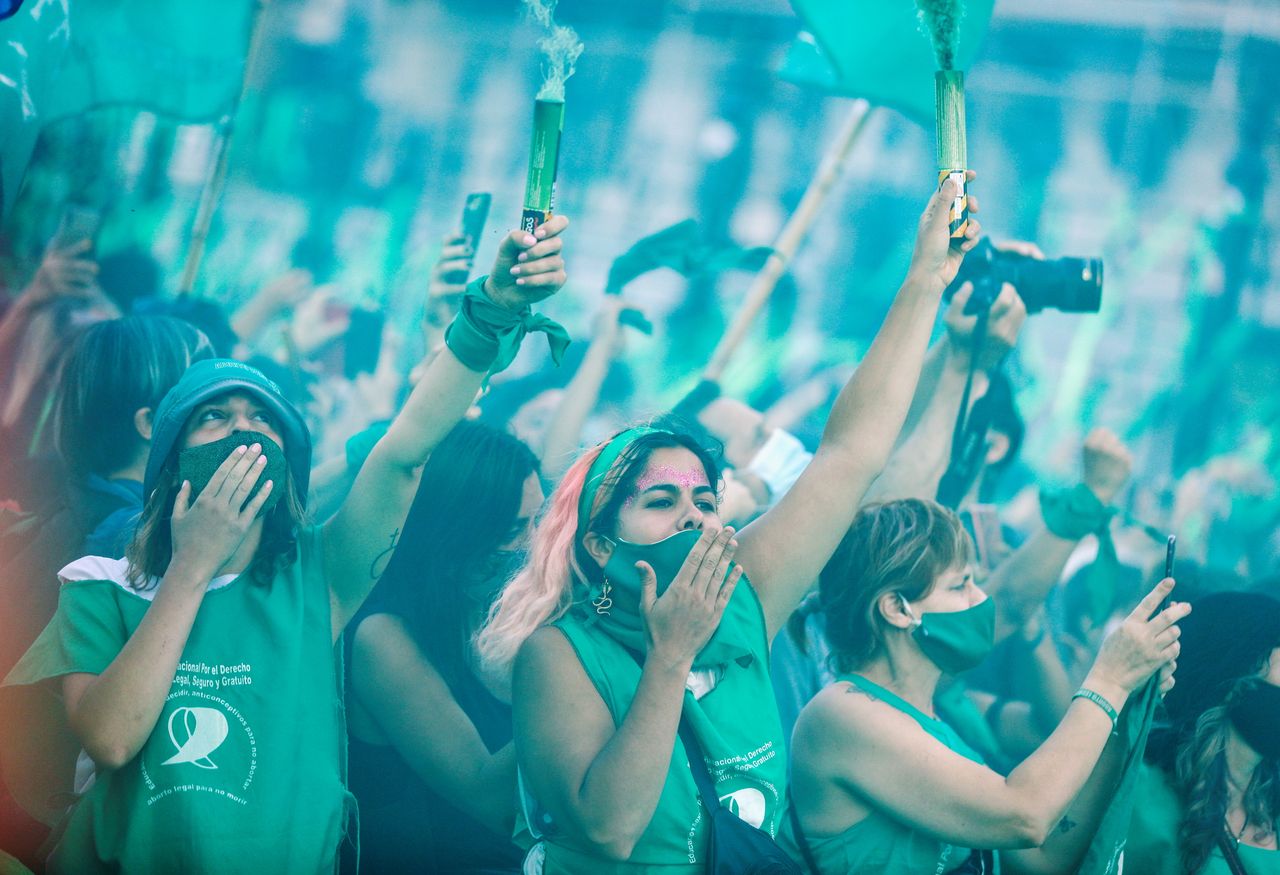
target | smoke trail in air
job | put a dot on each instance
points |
(561, 47)
(941, 19)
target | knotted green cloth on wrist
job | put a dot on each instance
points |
(1074, 513)
(486, 337)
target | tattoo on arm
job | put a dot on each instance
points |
(1066, 825)
(380, 561)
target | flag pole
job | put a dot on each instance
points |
(212, 191)
(790, 238)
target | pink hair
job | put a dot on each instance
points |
(542, 591)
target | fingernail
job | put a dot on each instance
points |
(520, 282)
(515, 270)
(240, 450)
(262, 460)
(529, 240)
(523, 256)
(541, 232)
(257, 448)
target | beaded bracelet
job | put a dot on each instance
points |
(1107, 707)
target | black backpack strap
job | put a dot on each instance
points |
(698, 765)
(693, 749)
(1227, 844)
(801, 840)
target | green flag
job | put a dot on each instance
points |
(60, 58)
(877, 49)
(1105, 855)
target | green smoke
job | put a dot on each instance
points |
(941, 18)
(561, 47)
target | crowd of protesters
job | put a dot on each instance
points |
(262, 614)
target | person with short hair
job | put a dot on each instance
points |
(880, 784)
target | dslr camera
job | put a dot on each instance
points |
(1072, 285)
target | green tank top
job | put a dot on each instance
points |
(878, 844)
(1152, 848)
(736, 722)
(244, 770)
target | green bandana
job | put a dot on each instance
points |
(601, 467)
(486, 337)
(1074, 513)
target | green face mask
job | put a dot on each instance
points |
(198, 464)
(618, 602)
(956, 641)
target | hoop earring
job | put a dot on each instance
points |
(602, 602)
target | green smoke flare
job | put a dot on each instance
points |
(942, 20)
(561, 47)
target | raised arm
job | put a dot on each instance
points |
(1025, 579)
(787, 547)
(923, 453)
(361, 537)
(565, 430)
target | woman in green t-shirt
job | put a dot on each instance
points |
(631, 613)
(1211, 787)
(879, 783)
(201, 674)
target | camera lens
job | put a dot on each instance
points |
(1072, 285)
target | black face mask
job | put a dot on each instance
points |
(1255, 714)
(501, 567)
(198, 464)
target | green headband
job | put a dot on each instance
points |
(603, 464)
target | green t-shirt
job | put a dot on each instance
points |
(244, 769)
(879, 844)
(1152, 848)
(736, 721)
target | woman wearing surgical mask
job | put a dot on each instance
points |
(432, 764)
(638, 612)
(1209, 800)
(880, 784)
(201, 674)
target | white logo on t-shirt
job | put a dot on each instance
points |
(204, 729)
(748, 804)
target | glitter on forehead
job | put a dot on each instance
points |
(685, 478)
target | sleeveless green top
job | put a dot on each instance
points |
(1152, 848)
(244, 770)
(878, 844)
(736, 722)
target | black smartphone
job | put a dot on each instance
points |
(1170, 550)
(475, 212)
(363, 342)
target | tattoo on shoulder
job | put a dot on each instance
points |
(856, 690)
(379, 564)
(1066, 825)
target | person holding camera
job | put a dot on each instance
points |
(881, 784)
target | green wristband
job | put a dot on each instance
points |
(1074, 513)
(486, 337)
(1085, 693)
